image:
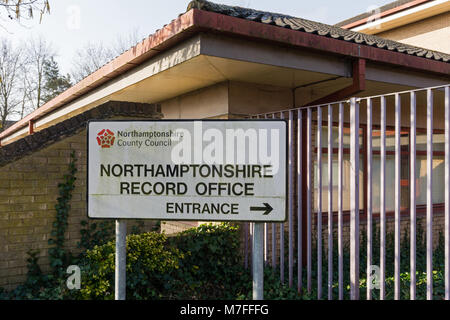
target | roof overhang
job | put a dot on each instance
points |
(201, 48)
(399, 16)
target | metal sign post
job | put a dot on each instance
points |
(198, 170)
(121, 260)
(258, 261)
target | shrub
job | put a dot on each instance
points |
(212, 262)
(150, 267)
(38, 286)
(200, 263)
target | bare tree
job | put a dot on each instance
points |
(10, 65)
(26, 93)
(38, 52)
(19, 10)
(90, 58)
(126, 41)
(94, 55)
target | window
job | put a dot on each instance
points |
(421, 172)
(335, 164)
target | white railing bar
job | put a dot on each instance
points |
(404, 92)
(330, 202)
(412, 178)
(291, 200)
(354, 200)
(359, 99)
(397, 196)
(274, 244)
(347, 101)
(274, 238)
(383, 199)
(340, 204)
(299, 202)
(319, 203)
(282, 237)
(429, 194)
(369, 195)
(447, 194)
(266, 244)
(308, 200)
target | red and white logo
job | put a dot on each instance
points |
(105, 138)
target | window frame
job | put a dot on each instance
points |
(404, 211)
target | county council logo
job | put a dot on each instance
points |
(105, 138)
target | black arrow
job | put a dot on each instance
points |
(267, 208)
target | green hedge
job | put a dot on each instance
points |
(201, 263)
(150, 267)
(212, 265)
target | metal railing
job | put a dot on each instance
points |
(307, 211)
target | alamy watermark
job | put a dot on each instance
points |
(73, 21)
(231, 146)
(373, 277)
(374, 18)
(74, 280)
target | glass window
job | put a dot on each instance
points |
(345, 183)
(335, 164)
(438, 142)
(438, 180)
(421, 172)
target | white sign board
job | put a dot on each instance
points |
(203, 170)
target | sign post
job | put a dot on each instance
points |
(258, 261)
(121, 260)
(198, 170)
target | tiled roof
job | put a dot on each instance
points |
(303, 25)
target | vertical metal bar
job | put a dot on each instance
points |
(354, 199)
(383, 199)
(330, 202)
(319, 203)
(266, 243)
(447, 193)
(250, 228)
(299, 201)
(257, 261)
(282, 238)
(369, 194)
(291, 200)
(412, 195)
(274, 245)
(340, 203)
(429, 194)
(274, 239)
(397, 199)
(266, 233)
(308, 199)
(246, 226)
(121, 260)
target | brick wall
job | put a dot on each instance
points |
(171, 227)
(426, 33)
(28, 194)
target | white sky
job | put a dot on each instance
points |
(73, 23)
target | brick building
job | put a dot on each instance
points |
(213, 61)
